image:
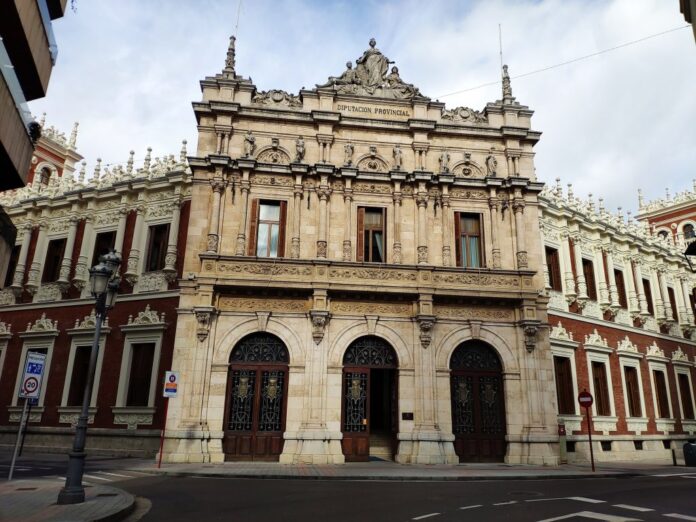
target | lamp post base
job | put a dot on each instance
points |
(71, 495)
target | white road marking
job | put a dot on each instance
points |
(673, 475)
(505, 503)
(425, 516)
(632, 508)
(471, 507)
(95, 477)
(680, 517)
(545, 499)
(687, 476)
(593, 516)
(114, 474)
(585, 499)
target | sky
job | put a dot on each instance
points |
(128, 71)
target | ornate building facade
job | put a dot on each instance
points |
(65, 221)
(622, 316)
(362, 278)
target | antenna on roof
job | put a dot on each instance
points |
(500, 44)
(239, 10)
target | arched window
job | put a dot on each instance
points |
(689, 231)
(370, 351)
(663, 234)
(44, 176)
(260, 347)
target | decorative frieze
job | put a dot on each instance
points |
(253, 304)
(146, 317)
(560, 333)
(479, 313)
(371, 307)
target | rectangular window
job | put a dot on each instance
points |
(620, 288)
(632, 391)
(469, 244)
(103, 244)
(564, 385)
(672, 303)
(647, 290)
(156, 247)
(372, 235)
(267, 233)
(78, 378)
(685, 392)
(554, 268)
(140, 374)
(588, 272)
(12, 265)
(601, 389)
(54, 257)
(661, 394)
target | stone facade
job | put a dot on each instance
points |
(621, 298)
(63, 219)
(364, 140)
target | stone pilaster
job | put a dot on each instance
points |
(18, 278)
(422, 202)
(34, 279)
(520, 233)
(170, 258)
(133, 265)
(241, 235)
(218, 187)
(494, 205)
(66, 263)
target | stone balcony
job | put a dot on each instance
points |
(240, 271)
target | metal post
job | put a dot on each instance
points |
(589, 434)
(22, 420)
(73, 492)
(26, 427)
(164, 429)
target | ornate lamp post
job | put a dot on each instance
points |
(104, 282)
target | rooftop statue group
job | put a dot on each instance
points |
(371, 77)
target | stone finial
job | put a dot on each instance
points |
(667, 195)
(559, 188)
(42, 121)
(590, 202)
(97, 170)
(641, 201)
(571, 194)
(507, 86)
(73, 136)
(601, 205)
(82, 173)
(182, 152)
(619, 214)
(147, 160)
(129, 165)
(230, 61)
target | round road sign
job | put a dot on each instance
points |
(30, 385)
(585, 399)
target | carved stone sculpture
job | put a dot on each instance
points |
(348, 150)
(507, 86)
(464, 115)
(276, 97)
(444, 161)
(299, 149)
(398, 157)
(249, 144)
(491, 165)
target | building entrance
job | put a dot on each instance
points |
(478, 408)
(256, 399)
(370, 400)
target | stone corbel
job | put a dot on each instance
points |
(320, 319)
(262, 318)
(204, 316)
(531, 331)
(426, 323)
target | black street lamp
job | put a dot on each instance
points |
(104, 282)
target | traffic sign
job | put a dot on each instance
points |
(30, 387)
(585, 399)
(171, 384)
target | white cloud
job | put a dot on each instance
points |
(129, 70)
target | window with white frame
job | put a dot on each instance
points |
(660, 390)
(565, 378)
(77, 371)
(632, 382)
(600, 384)
(139, 367)
(685, 392)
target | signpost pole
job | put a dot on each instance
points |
(26, 427)
(589, 434)
(19, 436)
(164, 428)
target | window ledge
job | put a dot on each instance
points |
(34, 416)
(70, 414)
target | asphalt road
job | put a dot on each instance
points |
(228, 499)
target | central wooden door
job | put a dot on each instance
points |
(478, 409)
(256, 399)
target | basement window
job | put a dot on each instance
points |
(638, 445)
(606, 445)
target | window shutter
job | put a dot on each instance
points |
(631, 376)
(458, 238)
(564, 385)
(251, 249)
(600, 388)
(282, 226)
(685, 391)
(661, 392)
(360, 244)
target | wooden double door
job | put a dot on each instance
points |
(478, 406)
(256, 400)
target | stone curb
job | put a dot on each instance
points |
(121, 513)
(395, 478)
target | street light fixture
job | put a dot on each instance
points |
(104, 282)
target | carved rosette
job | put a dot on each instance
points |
(522, 261)
(320, 318)
(397, 253)
(426, 323)
(422, 254)
(295, 248)
(321, 249)
(347, 250)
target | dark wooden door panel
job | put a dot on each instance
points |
(356, 414)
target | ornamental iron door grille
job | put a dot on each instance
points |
(256, 399)
(362, 356)
(478, 409)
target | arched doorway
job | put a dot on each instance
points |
(478, 407)
(369, 418)
(256, 399)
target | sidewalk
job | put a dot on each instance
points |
(35, 500)
(384, 470)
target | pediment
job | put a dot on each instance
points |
(373, 75)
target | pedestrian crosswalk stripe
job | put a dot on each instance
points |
(632, 508)
(95, 477)
(114, 474)
(680, 517)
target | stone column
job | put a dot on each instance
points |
(657, 295)
(613, 292)
(579, 274)
(218, 186)
(65, 265)
(633, 306)
(348, 220)
(567, 270)
(662, 279)
(241, 235)
(133, 265)
(422, 202)
(323, 191)
(604, 301)
(446, 228)
(493, 205)
(520, 233)
(544, 264)
(296, 214)
(34, 280)
(170, 258)
(397, 198)
(685, 297)
(18, 278)
(121, 230)
(81, 268)
(638, 274)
